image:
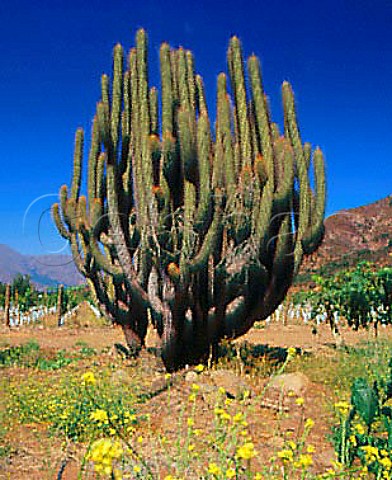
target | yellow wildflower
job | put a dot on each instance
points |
(343, 408)
(246, 451)
(238, 417)
(117, 474)
(371, 453)
(199, 368)
(230, 473)
(88, 378)
(304, 461)
(386, 463)
(102, 453)
(99, 415)
(245, 394)
(214, 469)
(291, 352)
(300, 401)
(286, 455)
(309, 424)
(190, 422)
(360, 429)
(225, 417)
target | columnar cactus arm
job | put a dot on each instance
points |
(263, 123)
(187, 145)
(188, 239)
(93, 162)
(284, 182)
(166, 90)
(190, 71)
(263, 219)
(293, 135)
(236, 69)
(126, 126)
(224, 138)
(107, 305)
(78, 155)
(117, 96)
(209, 243)
(315, 231)
(59, 222)
(204, 168)
(201, 96)
(121, 245)
(153, 100)
(183, 83)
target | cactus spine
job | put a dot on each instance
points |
(199, 229)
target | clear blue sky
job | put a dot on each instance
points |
(336, 53)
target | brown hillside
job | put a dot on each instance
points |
(362, 233)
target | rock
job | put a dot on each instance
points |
(325, 457)
(149, 363)
(290, 382)
(234, 385)
(191, 377)
(159, 384)
(121, 377)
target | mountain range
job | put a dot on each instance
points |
(362, 233)
(44, 270)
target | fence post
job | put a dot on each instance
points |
(7, 305)
(16, 304)
(59, 304)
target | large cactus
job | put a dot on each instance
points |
(199, 230)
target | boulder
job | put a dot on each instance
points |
(295, 382)
(234, 385)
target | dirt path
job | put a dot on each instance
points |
(273, 334)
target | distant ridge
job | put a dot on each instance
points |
(44, 270)
(352, 235)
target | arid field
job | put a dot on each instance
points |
(258, 396)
